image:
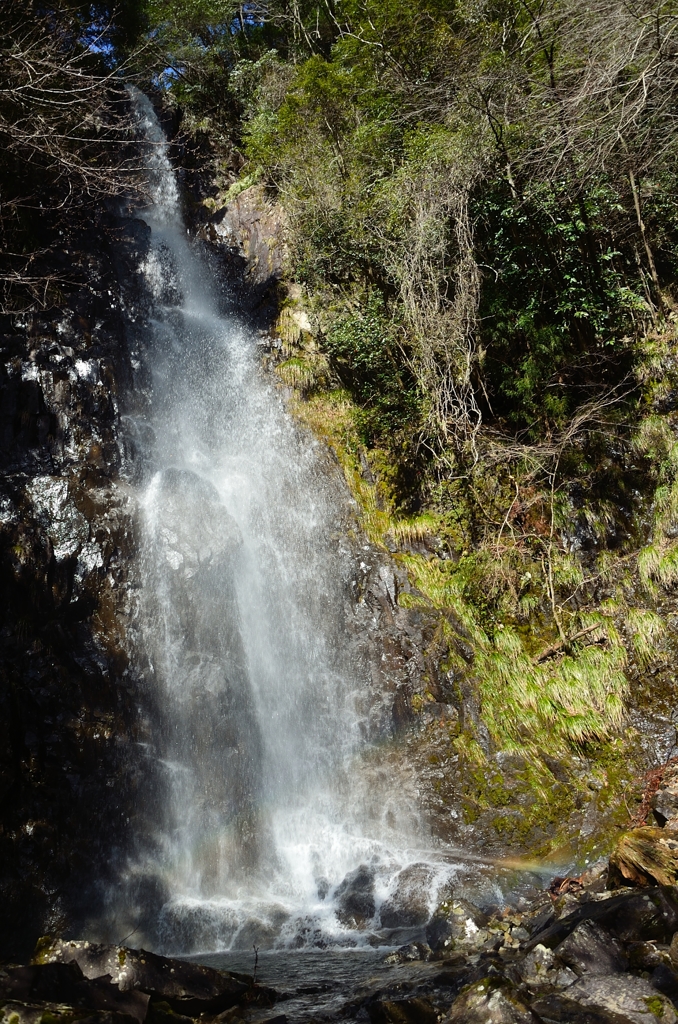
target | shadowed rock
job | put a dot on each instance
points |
(637, 915)
(66, 984)
(615, 999)
(188, 988)
(355, 898)
(590, 950)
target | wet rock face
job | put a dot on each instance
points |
(355, 898)
(68, 705)
(76, 981)
(255, 227)
(407, 906)
(64, 983)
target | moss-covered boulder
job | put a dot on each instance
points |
(645, 856)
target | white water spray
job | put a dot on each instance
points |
(273, 830)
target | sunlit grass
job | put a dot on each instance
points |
(535, 690)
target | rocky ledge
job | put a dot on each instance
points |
(592, 950)
(78, 981)
(586, 950)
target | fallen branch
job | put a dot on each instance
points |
(555, 648)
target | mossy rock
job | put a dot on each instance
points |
(645, 856)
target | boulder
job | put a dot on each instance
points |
(590, 950)
(632, 916)
(402, 1011)
(490, 1001)
(665, 980)
(645, 856)
(355, 898)
(457, 924)
(65, 983)
(541, 969)
(408, 905)
(408, 953)
(537, 967)
(611, 999)
(188, 988)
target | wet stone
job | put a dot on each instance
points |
(66, 984)
(490, 1001)
(355, 898)
(457, 924)
(408, 905)
(589, 949)
(614, 999)
(410, 952)
(187, 987)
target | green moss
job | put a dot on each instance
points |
(504, 615)
(43, 948)
(656, 1005)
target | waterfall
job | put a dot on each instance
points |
(272, 827)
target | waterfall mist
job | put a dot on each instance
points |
(273, 825)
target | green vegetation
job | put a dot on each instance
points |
(482, 211)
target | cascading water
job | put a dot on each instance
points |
(272, 828)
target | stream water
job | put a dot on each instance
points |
(270, 828)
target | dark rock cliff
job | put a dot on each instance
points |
(76, 764)
(69, 715)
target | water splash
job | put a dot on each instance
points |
(273, 828)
